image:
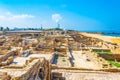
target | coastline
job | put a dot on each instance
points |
(112, 39)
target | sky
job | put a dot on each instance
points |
(82, 15)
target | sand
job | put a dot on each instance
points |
(80, 61)
(104, 38)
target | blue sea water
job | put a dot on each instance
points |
(109, 34)
(106, 33)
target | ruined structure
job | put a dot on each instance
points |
(56, 55)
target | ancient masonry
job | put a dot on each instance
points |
(57, 55)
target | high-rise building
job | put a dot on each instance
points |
(58, 25)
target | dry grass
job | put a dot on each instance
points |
(116, 40)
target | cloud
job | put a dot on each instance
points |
(56, 17)
(9, 19)
(2, 17)
(9, 16)
(22, 16)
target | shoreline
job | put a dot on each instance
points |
(112, 39)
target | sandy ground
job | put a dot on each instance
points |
(80, 61)
(82, 75)
(62, 63)
(104, 38)
(87, 75)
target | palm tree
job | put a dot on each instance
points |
(1, 28)
(7, 28)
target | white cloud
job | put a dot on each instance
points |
(22, 16)
(2, 17)
(11, 20)
(9, 16)
(56, 17)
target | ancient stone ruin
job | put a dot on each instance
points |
(57, 55)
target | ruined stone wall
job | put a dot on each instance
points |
(61, 50)
(110, 56)
(35, 70)
(116, 50)
(30, 73)
(4, 76)
(87, 41)
(4, 57)
(43, 50)
(113, 47)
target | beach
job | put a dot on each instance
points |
(111, 39)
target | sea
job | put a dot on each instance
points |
(105, 33)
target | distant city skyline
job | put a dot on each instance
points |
(89, 15)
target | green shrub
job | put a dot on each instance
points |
(114, 63)
(64, 60)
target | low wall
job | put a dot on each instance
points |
(110, 56)
(4, 57)
(4, 76)
(74, 68)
